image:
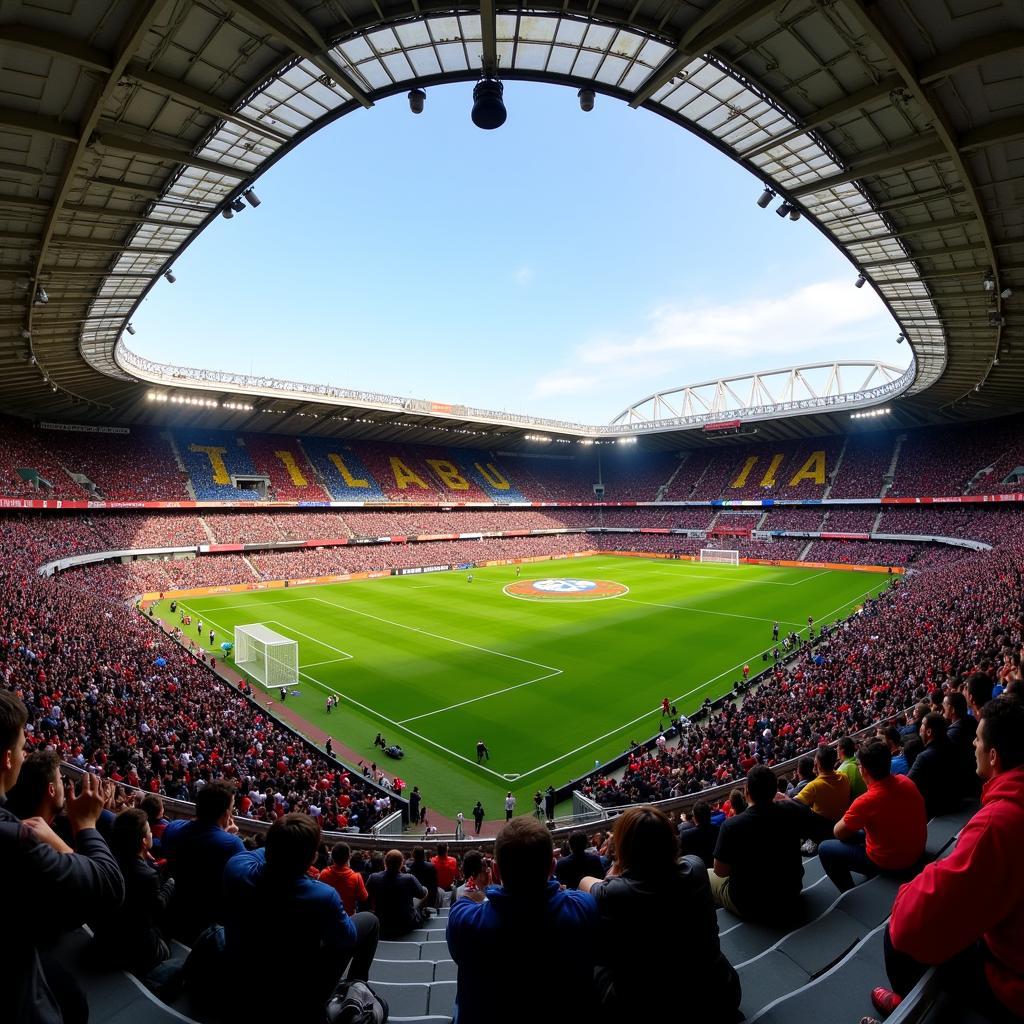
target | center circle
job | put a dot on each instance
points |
(565, 589)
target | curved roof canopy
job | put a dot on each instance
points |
(128, 126)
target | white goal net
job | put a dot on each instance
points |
(271, 659)
(720, 556)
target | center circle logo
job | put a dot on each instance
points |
(564, 586)
(565, 589)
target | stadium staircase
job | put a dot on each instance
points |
(207, 529)
(890, 473)
(820, 968)
(834, 475)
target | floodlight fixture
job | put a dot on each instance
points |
(794, 214)
(765, 197)
(237, 205)
(417, 97)
(1006, 293)
(586, 98)
(26, 334)
(988, 282)
(488, 107)
(996, 319)
(784, 209)
(130, 329)
(169, 276)
(859, 283)
(41, 298)
(227, 213)
(251, 198)
(900, 339)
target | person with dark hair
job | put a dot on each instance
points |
(804, 774)
(477, 872)
(39, 791)
(847, 748)
(965, 911)
(345, 881)
(884, 830)
(758, 870)
(425, 873)
(978, 692)
(395, 896)
(530, 923)
(827, 796)
(153, 805)
(935, 771)
(657, 919)
(269, 892)
(960, 730)
(700, 836)
(893, 739)
(130, 937)
(579, 863)
(446, 866)
(197, 850)
(47, 890)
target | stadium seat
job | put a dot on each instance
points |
(434, 951)
(442, 998)
(405, 999)
(402, 970)
(397, 950)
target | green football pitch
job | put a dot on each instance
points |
(436, 663)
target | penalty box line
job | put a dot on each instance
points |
(384, 718)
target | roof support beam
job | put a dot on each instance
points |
(55, 45)
(38, 207)
(23, 120)
(302, 36)
(172, 152)
(1009, 129)
(704, 34)
(917, 229)
(136, 191)
(831, 112)
(489, 37)
(947, 250)
(968, 54)
(906, 154)
(197, 98)
(900, 204)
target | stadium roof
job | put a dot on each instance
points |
(127, 126)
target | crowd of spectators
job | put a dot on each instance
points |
(785, 517)
(852, 519)
(863, 552)
(866, 461)
(279, 458)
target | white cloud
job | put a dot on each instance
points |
(523, 276)
(684, 344)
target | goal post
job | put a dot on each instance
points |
(271, 659)
(719, 556)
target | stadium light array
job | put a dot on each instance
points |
(627, 440)
(169, 276)
(869, 414)
(861, 279)
(765, 197)
(539, 438)
(988, 282)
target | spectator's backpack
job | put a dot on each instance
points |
(354, 1002)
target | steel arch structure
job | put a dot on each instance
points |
(792, 391)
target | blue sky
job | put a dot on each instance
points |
(565, 265)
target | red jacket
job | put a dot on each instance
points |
(977, 892)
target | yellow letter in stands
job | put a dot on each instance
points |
(492, 476)
(744, 472)
(449, 474)
(768, 480)
(216, 457)
(813, 470)
(404, 475)
(293, 471)
(339, 464)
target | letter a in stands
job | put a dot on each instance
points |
(449, 474)
(216, 457)
(404, 475)
(813, 470)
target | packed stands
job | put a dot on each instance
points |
(693, 465)
(416, 473)
(851, 519)
(784, 517)
(341, 469)
(213, 458)
(866, 460)
(282, 460)
(29, 468)
(862, 552)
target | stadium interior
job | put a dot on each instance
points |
(131, 127)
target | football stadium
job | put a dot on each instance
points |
(711, 709)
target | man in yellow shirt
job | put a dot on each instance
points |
(827, 795)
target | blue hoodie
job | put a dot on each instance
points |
(524, 955)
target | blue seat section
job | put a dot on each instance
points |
(211, 457)
(344, 474)
(482, 469)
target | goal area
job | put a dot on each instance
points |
(270, 659)
(720, 556)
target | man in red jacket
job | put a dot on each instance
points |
(966, 911)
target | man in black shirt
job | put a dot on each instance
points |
(579, 864)
(936, 772)
(699, 836)
(758, 872)
(426, 874)
(393, 896)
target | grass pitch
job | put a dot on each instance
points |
(436, 663)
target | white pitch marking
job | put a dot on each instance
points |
(703, 611)
(483, 696)
(345, 656)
